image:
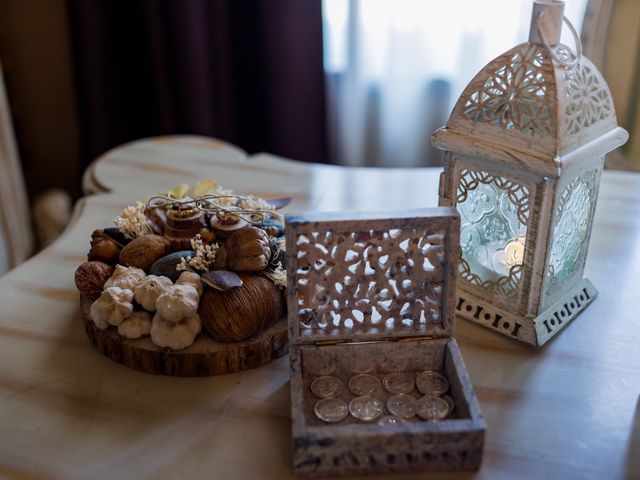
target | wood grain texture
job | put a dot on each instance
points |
(204, 358)
(567, 411)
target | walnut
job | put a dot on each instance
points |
(144, 251)
(103, 248)
(90, 278)
(246, 250)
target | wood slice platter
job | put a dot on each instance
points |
(205, 357)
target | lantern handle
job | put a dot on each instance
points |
(552, 51)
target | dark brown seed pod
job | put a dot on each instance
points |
(156, 218)
(222, 280)
(117, 236)
(242, 312)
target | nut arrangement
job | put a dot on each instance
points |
(191, 261)
(386, 399)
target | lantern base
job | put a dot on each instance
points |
(534, 331)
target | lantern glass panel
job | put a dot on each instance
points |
(494, 217)
(572, 224)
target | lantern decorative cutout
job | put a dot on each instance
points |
(524, 151)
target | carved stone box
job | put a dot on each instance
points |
(375, 294)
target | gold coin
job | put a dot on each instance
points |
(364, 384)
(331, 410)
(390, 420)
(398, 382)
(432, 408)
(450, 403)
(402, 405)
(432, 383)
(327, 386)
(365, 408)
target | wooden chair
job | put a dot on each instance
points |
(611, 39)
(51, 209)
(16, 237)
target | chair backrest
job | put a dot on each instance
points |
(611, 39)
(16, 239)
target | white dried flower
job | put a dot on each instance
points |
(132, 221)
(282, 244)
(277, 275)
(183, 266)
(280, 276)
(225, 197)
(255, 203)
(204, 256)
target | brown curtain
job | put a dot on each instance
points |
(247, 71)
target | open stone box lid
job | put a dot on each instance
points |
(355, 277)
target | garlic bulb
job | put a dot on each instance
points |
(147, 292)
(137, 325)
(191, 278)
(126, 278)
(112, 308)
(177, 303)
(175, 335)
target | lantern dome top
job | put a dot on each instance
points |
(534, 105)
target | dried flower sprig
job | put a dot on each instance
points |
(251, 202)
(204, 256)
(277, 275)
(132, 221)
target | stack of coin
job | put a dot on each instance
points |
(435, 405)
(329, 409)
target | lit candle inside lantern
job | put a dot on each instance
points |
(514, 252)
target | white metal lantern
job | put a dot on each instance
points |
(524, 150)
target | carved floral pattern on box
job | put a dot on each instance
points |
(369, 281)
(571, 230)
(494, 214)
(513, 96)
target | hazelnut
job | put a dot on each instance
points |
(90, 278)
(103, 249)
(207, 236)
(144, 251)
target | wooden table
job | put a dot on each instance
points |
(569, 410)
